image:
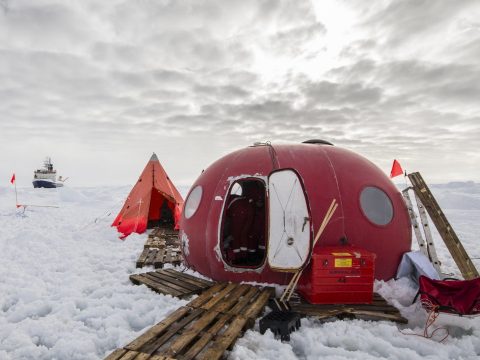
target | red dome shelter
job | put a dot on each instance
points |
(253, 214)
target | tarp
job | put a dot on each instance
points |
(414, 264)
(153, 198)
(453, 296)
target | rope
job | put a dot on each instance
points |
(106, 213)
(433, 313)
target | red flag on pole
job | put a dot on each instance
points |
(12, 180)
(396, 169)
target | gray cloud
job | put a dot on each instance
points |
(94, 83)
(328, 93)
(403, 20)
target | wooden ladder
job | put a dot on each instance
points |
(460, 256)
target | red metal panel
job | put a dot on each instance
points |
(339, 275)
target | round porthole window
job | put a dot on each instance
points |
(376, 205)
(193, 201)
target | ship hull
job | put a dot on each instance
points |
(45, 184)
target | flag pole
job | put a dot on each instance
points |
(16, 197)
(14, 182)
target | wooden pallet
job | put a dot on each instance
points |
(203, 329)
(172, 282)
(459, 255)
(162, 247)
(163, 231)
(158, 257)
(379, 309)
(162, 240)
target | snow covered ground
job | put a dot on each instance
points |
(65, 292)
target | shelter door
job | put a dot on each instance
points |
(289, 239)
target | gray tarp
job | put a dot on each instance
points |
(414, 264)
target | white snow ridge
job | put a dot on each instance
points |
(65, 291)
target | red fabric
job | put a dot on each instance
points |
(12, 180)
(396, 169)
(241, 214)
(146, 198)
(455, 296)
(256, 235)
(177, 213)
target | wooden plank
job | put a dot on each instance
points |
(180, 277)
(379, 310)
(166, 281)
(223, 342)
(127, 355)
(130, 355)
(258, 305)
(206, 337)
(116, 355)
(162, 275)
(189, 278)
(219, 296)
(159, 287)
(169, 283)
(152, 252)
(168, 255)
(308, 309)
(375, 315)
(191, 333)
(157, 329)
(159, 357)
(158, 261)
(155, 243)
(142, 258)
(252, 293)
(232, 299)
(144, 356)
(172, 330)
(206, 295)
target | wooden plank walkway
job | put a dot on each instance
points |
(204, 328)
(171, 282)
(162, 247)
(378, 310)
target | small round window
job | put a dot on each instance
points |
(376, 205)
(193, 200)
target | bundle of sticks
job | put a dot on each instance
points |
(287, 294)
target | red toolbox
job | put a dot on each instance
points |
(339, 275)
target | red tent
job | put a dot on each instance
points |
(153, 201)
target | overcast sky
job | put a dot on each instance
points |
(100, 85)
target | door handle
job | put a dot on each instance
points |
(305, 219)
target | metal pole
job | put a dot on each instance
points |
(16, 197)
